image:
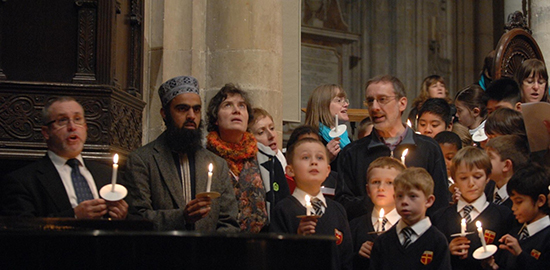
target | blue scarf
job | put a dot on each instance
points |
(344, 138)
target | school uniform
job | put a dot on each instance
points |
(333, 222)
(535, 248)
(491, 191)
(362, 230)
(496, 221)
(428, 248)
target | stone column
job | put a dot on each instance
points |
(244, 47)
(540, 24)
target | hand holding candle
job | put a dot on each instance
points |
(115, 169)
(405, 152)
(209, 183)
(380, 219)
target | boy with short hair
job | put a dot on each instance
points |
(308, 163)
(507, 153)
(413, 243)
(380, 176)
(470, 169)
(528, 245)
(434, 116)
(450, 143)
(502, 93)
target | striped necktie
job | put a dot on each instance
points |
(407, 232)
(466, 212)
(384, 221)
(524, 233)
(498, 199)
(317, 206)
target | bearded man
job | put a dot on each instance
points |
(164, 176)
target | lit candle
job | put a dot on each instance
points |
(404, 155)
(409, 123)
(380, 219)
(309, 208)
(209, 183)
(115, 169)
(481, 237)
(336, 121)
(463, 227)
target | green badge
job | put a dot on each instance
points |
(275, 186)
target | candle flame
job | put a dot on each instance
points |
(405, 152)
(307, 199)
(478, 224)
(210, 167)
(381, 213)
(409, 123)
(463, 222)
(115, 159)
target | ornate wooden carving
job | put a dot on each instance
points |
(107, 84)
(2, 75)
(86, 62)
(136, 35)
(113, 119)
(514, 47)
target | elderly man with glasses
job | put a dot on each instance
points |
(386, 100)
(62, 183)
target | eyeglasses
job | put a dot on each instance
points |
(342, 101)
(382, 100)
(64, 121)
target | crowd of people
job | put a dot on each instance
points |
(398, 196)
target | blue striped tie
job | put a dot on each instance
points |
(81, 187)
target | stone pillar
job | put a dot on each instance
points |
(244, 47)
(540, 24)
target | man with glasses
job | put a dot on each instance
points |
(164, 177)
(386, 100)
(62, 183)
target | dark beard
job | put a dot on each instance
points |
(183, 140)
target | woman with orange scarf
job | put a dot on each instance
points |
(228, 115)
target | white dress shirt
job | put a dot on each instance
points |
(479, 205)
(64, 171)
(419, 229)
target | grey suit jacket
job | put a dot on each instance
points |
(155, 188)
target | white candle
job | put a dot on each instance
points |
(336, 121)
(463, 227)
(404, 155)
(209, 183)
(115, 169)
(409, 123)
(481, 237)
(309, 208)
(380, 219)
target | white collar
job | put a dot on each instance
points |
(300, 195)
(501, 192)
(393, 217)
(60, 161)
(419, 228)
(479, 205)
(539, 225)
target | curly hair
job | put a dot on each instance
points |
(214, 105)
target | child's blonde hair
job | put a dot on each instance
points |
(385, 162)
(415, 178)
(471, 156)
